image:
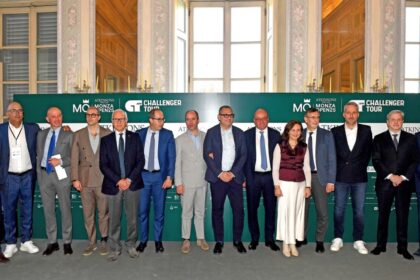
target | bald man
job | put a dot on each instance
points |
(17, 177)
(54, 150)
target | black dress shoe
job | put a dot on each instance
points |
(141, 247)
(319, 247)
(159, 247)
(218, 248)
(51, 248)
(240, 247)
(300, 243)
(253, 245)
(67, 249)
(378, 250)
(3, 259)
(273, 246)
(406, 255)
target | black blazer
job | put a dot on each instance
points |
(273, 138)
(110, 166)
(387, 160)
(352, 165)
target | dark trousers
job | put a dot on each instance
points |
(233, 191)
(386, 194)
(263, 185)
(1, 221)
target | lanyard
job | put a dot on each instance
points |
(16, 137)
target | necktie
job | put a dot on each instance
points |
(311, 155)
(151, 161)
(49, 168)
(121, 155)
(263, 153)
(395, 141)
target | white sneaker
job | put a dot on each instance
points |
(10, 250)
(359, 245)
(29, 247)
(336, 244)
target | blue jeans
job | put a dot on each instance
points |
(18, 189)
(357, 193)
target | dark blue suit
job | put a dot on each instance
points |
(213, 152)
(258, 183)
(153, 182)
(417, 179)
(326, 168)
(17, 187)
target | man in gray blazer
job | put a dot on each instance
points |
(322, 159)
(87, 179)
(190, 169)
(53, 153)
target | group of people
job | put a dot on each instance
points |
(127, 170)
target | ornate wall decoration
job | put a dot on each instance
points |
(390, 55)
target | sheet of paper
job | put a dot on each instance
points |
(61, 172)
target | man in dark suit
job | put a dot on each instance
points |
(353, 144)
(395, 158)
(158, 174)
(225, 155)
(322, 160)
(121, 161)
(17, 177)
(53, 173)
(417, 180)
(261, 141)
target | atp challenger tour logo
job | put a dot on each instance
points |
(378, 105)
(325, 105)
(104, 105)
(147, 105)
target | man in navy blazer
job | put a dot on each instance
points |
(17, 177)
(259, 179)
(321, 149)
(417, 180)
(395, 157)
(158, 174)
(121, 161)
(353, 145)
(225, 155)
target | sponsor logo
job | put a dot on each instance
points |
(377, 105)
(104, 105)
(146, 105)
(324, 105)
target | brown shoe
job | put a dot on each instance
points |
(89, 250)
(185, 246)
(203, 244)
(103, 248)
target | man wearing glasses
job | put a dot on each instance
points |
(225, 155)
(87, 179)
(121, 161)
(17, 178)
(158, 173)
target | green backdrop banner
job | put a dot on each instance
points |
(281, 108)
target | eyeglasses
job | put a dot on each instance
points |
(159, 119)
(227, 115)
(16, 111)
(118, 119)
(92, 115)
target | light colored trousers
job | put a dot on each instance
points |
(193, 201)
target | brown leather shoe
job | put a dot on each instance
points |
(3, 259)
(203, 244)
(185, 249)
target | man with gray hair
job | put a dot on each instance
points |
(353, 145)
(121, 161)
(395, 158)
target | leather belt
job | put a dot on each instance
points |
(314, 172)
(262, 173)
(45, 169)
(20, 174)
(154, 171)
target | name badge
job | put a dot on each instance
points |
(16, 152)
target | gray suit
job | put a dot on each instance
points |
(326, 167)
(50, 186)
(190, 169)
